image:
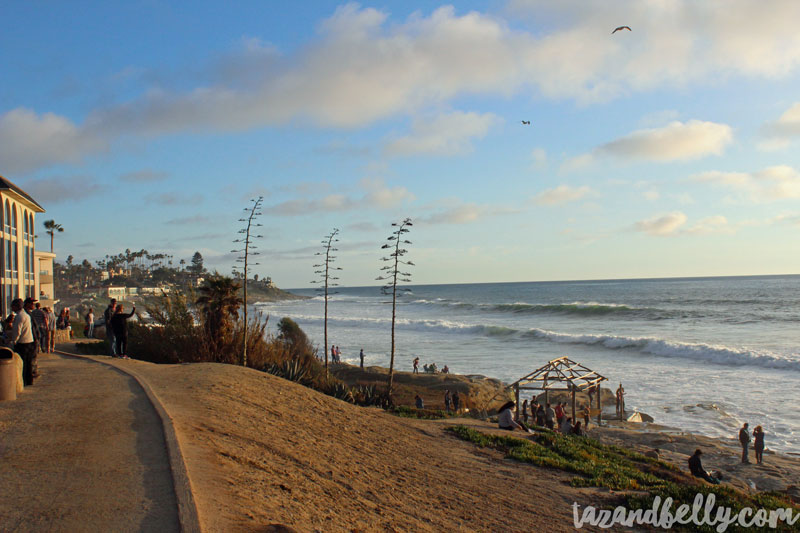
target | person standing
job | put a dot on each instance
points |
(447, 400)
(90, 323)
(758, 443)
(586, 412)
(23, 341)
(40, 319)
(620, 402)
(549, 417)
(744, 440)
(416, 365)
(51, 330)
(361, 356)
(456, 401)
(119, 323)
(541, 416)
(108, 314)
(559, 410)
(28, 307)
(525, 410)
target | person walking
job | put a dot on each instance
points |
(90, 323)
(23, 341)
(119, 323)
(361, 356)
(744, 440)
(758, 443)
(108, 314)
(416, 365)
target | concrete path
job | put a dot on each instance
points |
(83, 450)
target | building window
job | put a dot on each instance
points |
(13, 220)
(7, 219)
(25, 225)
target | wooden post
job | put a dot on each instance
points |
(516, 396)
(572, 386)
(599, 405)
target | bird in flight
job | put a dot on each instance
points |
(620, 28)
(527, 122)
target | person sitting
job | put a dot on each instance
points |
(445, 370)
(432, 368)
(697, 470)
(506, 419)
(420, 404)
(566, 425)
(577, 429)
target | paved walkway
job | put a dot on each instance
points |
(83, 450)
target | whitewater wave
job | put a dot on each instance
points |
(706, 353)
(664, 348)
(571, 308)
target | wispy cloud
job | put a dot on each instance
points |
(770, 184)
(174, 198)
(144, 176)
(447, 134)
(373, 194)
(561, 195)
(673, 224)
(676, 141)
(60, 189)
(196, 219)
(786, 127)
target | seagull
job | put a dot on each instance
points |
(527, 122)
(621, 28)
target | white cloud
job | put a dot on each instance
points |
(376, 195)
(561, 195)
(29, 141)
(673, 224)
(770, 184)
(447, 134)
(464, 214)
(364, 67)
(780, 131)
(676, 141)
(539, 157)
(59, 189)
(662, 225)
(709, 225)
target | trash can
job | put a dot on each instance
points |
(8, 375)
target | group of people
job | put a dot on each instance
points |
(30, 330)
(116, 322)
(696, 464)
(452, 402)
(428, 369)
(555, 418)
(336, 354)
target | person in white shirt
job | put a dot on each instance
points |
(22, 338)
(506, 419)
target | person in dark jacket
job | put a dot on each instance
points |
(744, 440)
(108, 314)
(697, 470)
(758, 443)
(119, 325)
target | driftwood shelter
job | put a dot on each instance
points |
(562, 374)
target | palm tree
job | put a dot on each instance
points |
(52, 228)
(219, 302)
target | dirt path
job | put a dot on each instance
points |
(83, 450)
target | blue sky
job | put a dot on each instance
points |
(669, 150)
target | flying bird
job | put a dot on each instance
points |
(621, 28)
(527, 122)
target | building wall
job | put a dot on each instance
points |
(19, 268)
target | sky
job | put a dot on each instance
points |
(665, 151)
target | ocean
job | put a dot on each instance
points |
(702, 355)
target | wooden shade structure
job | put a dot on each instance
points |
(562, 374)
